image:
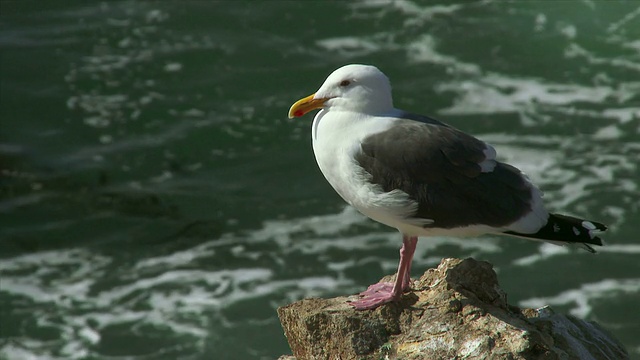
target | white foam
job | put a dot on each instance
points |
(582, 297)
(545, 251)
(423, 50)
(574, 50)
(177, 258)
(65, 281)
(14, 352)
(540, 22)
(496, 93)
(412, 10)
(349, 46)
(610, 132)
(173, 67)
(90, 335)
(623, 115)
(620, 249)
(568, 30)
(616, 26)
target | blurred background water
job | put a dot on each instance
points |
(156, 203)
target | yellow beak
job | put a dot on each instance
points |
(305, 105)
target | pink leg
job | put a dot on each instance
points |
(410, 251)
(382, 293)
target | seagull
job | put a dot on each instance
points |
(421, 176)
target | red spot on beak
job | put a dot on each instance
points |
(298, 113)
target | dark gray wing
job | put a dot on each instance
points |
(439, 167)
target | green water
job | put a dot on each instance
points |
(156, 203)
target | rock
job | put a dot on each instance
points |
(455, 311)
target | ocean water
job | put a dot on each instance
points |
(156, 202)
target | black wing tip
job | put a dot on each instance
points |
(588, 248)
(595, 240)
(563, 229)
(592, 228)
(596, 225)
(600, 226)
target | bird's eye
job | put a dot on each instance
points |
(344, 83)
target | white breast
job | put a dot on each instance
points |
(337, 137)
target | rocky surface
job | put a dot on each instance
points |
(456, 311)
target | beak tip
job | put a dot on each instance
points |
(295, 113)
(304, 105)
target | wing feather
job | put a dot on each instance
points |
(453, 176)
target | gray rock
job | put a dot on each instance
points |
(456, 311)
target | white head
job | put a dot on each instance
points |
(360, 88)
